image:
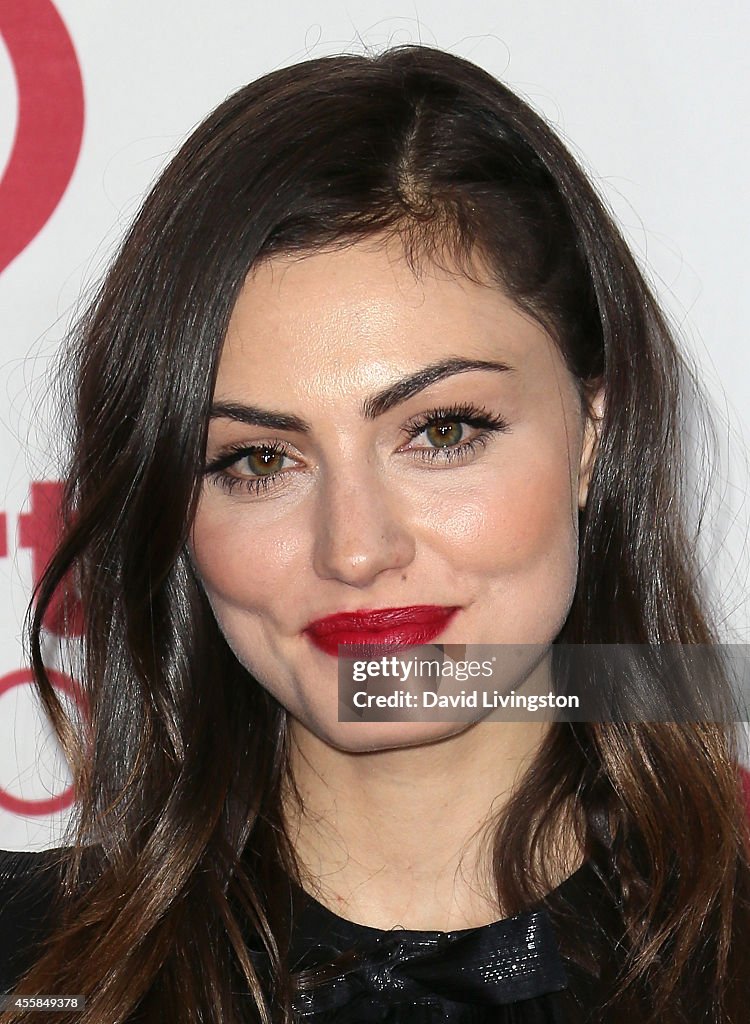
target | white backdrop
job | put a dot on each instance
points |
(651, 97)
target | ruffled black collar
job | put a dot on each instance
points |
(511, 971)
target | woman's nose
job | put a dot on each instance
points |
(361, 531)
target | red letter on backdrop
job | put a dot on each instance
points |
(39, 530)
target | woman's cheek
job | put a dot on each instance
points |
(248, 575)
(241, 563)
(512, 538)
(537, 556)
(509, 515)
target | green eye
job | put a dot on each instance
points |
(444, 433)
(264, 461)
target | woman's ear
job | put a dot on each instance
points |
(590, 447)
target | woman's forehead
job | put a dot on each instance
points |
(361, 312)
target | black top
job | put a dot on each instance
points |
(518, 970)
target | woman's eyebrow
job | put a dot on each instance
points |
(372, 407)
(405, 388)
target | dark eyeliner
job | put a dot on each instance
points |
(472, 415)
(234, 453)
(478, 417)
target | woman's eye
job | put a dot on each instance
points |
(253, 468)
(446, 436)
(444, 433)
(454, 434)
(262, 461)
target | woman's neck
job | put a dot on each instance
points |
(395, 837)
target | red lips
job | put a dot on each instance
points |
(393, 627)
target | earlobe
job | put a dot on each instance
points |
(590, 447)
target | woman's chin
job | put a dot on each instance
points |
(370, 736)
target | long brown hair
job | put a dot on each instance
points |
(178, 857)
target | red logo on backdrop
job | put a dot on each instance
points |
(50, 120)
(48, 805)
(39, 531)
(42, 160)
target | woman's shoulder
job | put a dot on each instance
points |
(28, 885)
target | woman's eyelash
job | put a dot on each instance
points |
(235, 453)
(472, 415)
(477, 417)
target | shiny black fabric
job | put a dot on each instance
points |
(26, 894)
(435, 975)
(518, 970)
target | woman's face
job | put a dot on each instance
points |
(384, 440)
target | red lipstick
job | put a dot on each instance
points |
(394, 627)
